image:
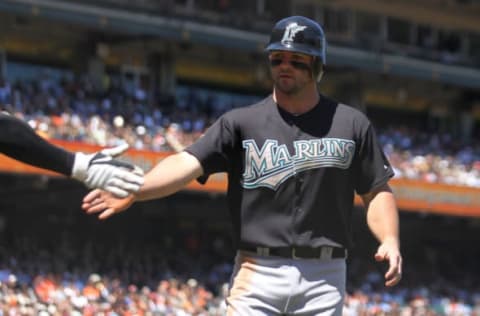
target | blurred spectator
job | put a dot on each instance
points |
(71, 109)
(150, 281)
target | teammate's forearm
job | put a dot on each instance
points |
(382, 217)
(169, 176)
(19, 141)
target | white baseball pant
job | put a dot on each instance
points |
(268, 286)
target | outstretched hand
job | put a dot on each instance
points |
(389, 251)
(100, 170)
(105, 203)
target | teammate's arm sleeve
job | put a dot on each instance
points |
(215, 148)
(20, 142)
(374, 169)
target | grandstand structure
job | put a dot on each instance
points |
(158, 72)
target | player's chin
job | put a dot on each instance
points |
(285, 82)
(286, 86)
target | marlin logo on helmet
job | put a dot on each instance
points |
(290, 31)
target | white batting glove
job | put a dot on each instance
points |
(100, 170)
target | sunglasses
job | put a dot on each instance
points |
(274, 62)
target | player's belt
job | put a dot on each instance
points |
(323, 252)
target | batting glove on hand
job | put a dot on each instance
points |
(100, 170)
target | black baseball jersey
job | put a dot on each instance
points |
(19, 141)
(292, 178)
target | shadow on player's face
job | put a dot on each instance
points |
(295, 60)
(290, 71)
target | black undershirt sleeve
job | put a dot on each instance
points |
(19, 141)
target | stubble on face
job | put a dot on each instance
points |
(289, 83)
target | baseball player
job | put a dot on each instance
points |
(97, 170)
(294, 161)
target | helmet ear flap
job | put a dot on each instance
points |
(317, 69)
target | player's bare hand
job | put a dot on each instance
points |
(105, 203)
(389, 251)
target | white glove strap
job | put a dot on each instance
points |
(80, 166)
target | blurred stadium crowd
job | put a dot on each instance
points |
(148, 279)
(187, 274)
(121, 278)
(132, 279)
(74, 109)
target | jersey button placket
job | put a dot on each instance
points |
(297, 209)
(298, 179)
(298, 190)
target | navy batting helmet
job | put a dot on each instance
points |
(298, 34)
